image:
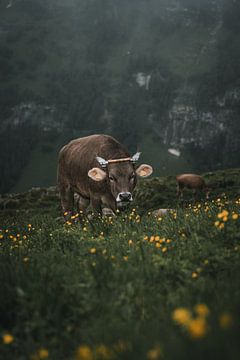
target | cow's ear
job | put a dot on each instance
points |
(97, 174)
(144, 170)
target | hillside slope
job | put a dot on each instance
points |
(150, 194)
(126, 287)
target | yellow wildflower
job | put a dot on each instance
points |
(154, 353)
(235, 216)
(194, 275)
(182, 316)
(84, 353)
(1, 236)
(7, 339)
(164, 249)
(125, 258)
(197, 328)
(201, 310)
(130, 242)
(225, 320)
(157, 238)
(103, 352)
(93, 250)
(43, 353)
(221, 226)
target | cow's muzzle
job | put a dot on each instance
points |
(123, 199)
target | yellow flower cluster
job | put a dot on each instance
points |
(17, 239)
(103, 352)
(195, 322)
(160, 242)
(134, 217)
(196, 325)
(223, 217)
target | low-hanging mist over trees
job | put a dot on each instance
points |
(168, 70)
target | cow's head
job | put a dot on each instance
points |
(121, 175)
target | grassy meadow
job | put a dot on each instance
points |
(129, 287)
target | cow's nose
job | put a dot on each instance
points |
(125, 196)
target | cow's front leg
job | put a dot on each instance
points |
(95, 205)
(108, 205)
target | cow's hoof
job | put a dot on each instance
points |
(161, 212)
(107, 212)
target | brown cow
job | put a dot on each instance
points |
(100, 170)
(191, 181)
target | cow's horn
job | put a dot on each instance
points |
(135, 157)
(102, 161)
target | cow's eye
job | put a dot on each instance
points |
(111, 178)
(132, 177)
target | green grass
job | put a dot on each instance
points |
(113, 284)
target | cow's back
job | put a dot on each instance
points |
(192, 181)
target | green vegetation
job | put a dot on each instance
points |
(129, 287)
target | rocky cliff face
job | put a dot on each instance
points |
(169, 68)
(189, 125)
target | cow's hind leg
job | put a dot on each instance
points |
(67, 200)
(179, 191)
(81, 202)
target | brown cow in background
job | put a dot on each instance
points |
(100, 170)
(193, 182)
